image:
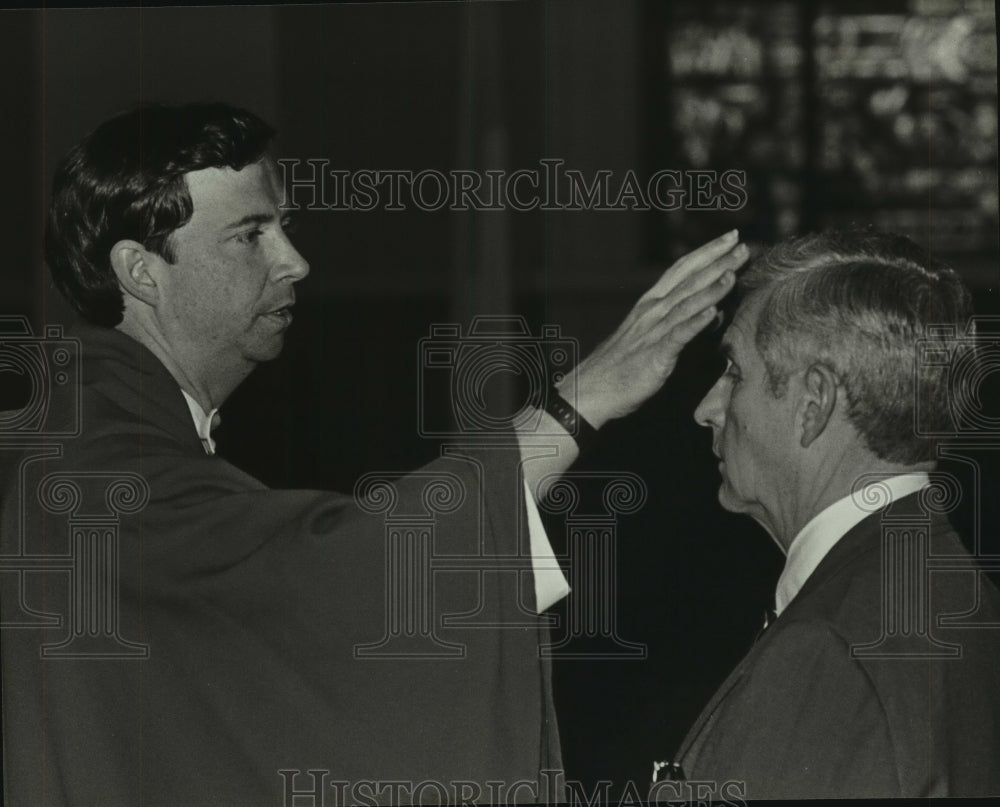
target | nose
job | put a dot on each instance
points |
(291, 265)
(712, 407)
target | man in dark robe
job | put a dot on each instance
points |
(178, 633)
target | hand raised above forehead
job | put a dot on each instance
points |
(700, 267)
(635, 361)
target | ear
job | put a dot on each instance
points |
(820, 397)
(134, 266)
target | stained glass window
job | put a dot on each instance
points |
(879, 111)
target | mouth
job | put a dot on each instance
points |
(281, 316)
(718, 456)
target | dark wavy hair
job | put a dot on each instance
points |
(125, 180)
(859, 301)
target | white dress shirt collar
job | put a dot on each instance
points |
(819, 536)
(203, 423)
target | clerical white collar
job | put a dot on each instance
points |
(203, 423)
(820, 535)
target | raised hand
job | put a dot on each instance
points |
(631, 365)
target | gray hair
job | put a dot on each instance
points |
(858, 302)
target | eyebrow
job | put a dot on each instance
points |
(253, 218)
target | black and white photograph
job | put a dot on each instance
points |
(499, 402)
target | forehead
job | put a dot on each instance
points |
(221, 195)
(740, 338)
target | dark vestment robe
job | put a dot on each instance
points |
(239, 612)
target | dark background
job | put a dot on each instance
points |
(822, 104)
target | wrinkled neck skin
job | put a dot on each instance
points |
(824, 473)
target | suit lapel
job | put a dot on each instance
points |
(720, 695)
(863, 537)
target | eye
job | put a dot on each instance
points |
(289, 224)
(732, 372)
(250, 237)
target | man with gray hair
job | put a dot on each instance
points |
(875, 676)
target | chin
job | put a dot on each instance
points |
(270, 356)
(729, 501)
(266, 352)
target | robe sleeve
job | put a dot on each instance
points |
(389, 638)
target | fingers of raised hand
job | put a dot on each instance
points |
(652, 320)
(680, 324)
(691, 264)
(686, 330)
(683, 304)
(712, 273)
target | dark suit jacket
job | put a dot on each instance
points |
(251, 602)
(805, 716)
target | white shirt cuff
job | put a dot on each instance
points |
(550, 583)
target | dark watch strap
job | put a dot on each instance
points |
(572, 421)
